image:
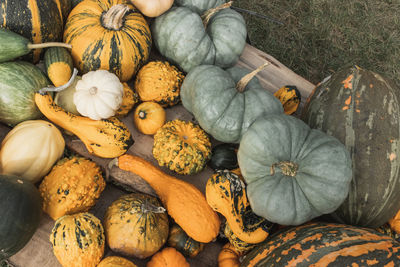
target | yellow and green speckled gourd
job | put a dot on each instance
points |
(182, 146)
(73, 185)
(239, 245)
(160, 82)
(116, 261)
(136, 225)
(78, 240)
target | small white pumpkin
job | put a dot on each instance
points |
(30, 149)
(98, 94)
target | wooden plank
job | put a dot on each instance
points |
(38, 251)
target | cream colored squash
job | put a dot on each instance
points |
(30, 149)
(98, 94)
(152, 8)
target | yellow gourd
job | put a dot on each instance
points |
(106, 138)
(129, 99)
(73, 185)
(149, 117)
(168, 257)
(183, 201)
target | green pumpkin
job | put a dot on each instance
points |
(293, 173)
(180, 35)
(20, 208)
(199, 6)
(211, 95)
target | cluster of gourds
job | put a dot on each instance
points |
(272, 170)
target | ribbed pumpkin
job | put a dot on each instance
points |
(361, 109)
(182, 146)
(38, 20)
(115, 261)
(160, 82)
(136, 225)
(110, 35)
(226, 102)
(321, 244)
(188, 40)
(168, 257)
(293, 173)
(149, 117)
(20, 209)
(78, 240)
(73, 185)
(179, 240)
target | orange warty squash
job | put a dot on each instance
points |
(168, 257)
(149, 117)
(73, 185)
(110, 35)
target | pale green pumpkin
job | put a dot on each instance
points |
(210, 94)
(199, 6)
(293, 173)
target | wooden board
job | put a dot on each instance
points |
(38, 252)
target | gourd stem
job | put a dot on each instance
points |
(288, 168)
(142, 114)
(113, 18)
(49, 44)
(62, 87)
(246, 79)
(209, 13)
(148, 207)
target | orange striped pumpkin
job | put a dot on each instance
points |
(324, 244)
(110, 35)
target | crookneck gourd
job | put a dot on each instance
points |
(149, 117)
(109, 35)
(160, 82)
(106, 138)
(184, 202)
(226, 194)
(239, 245)
(136, 225)
(182, 146)
(226, 102)
(78, 240)
(293, 173)
(179, 240)
(189, 39)
(290, 98)
(73, 185)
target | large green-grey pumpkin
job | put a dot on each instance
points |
(211, 95)
(19, 81)
(199, 6)
(180, 36)
(360, 108)
(293, 173)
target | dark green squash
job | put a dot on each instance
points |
(20, 209)
(223, 157)
(322, 244)
(178, 239)
(361, 109)
(39, 21)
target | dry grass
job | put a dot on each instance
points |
(320, 36)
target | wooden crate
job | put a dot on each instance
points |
(38, 252)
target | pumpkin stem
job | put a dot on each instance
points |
(113, 18)
(48, 44)
(246, 79)
(288, 168)
(44, 90)
(142, 115)
(148, 207)
(209, 13)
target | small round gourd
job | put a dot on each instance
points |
(149, 117)
(168, 257)
(293, 173)
(98, 95)
(115, 261)
(136, 225)
(78, 240)
(129, 99)
(179, 240)
(160, 82)
(73, 185)
(30, 149)
(182, 146)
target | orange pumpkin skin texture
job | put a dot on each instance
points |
(159, 82)
(290, 98)
(78, 240)
(228, 256)
(110, 35)
(184, 202)
(136, 225)
(168, 257)
(325, 244)
(149, 117)
(115, 261)
(129, 99)
(73, 185)
(182, 146)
